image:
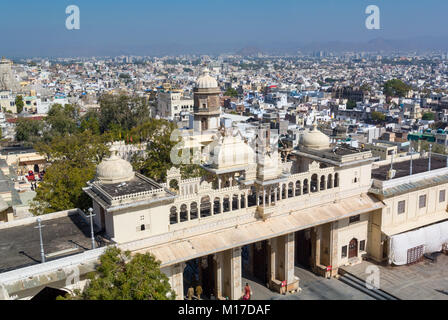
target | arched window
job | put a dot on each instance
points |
(205, 207)
(217, 206)
(235, 202)
(193, 211)
(330, 182)
(173, 215)
(142, 227)
(322, 183)
(283, 191)
(226, 204)
(183, 213)
(252, 198)
(290, 190)
(243, 201)
(305, 186)
(336, 180)
(298, 188)
(314, 181)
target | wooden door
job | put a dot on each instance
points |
(353, 248)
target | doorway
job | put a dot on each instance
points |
(353, 248)
(303, 248)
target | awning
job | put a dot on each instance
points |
(205, 244)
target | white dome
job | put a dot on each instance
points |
(114, 170)
(206, 81)
(232, 152)
(315, 139)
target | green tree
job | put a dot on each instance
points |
(90, 121)
(231, 92)
(378, 116)
(123, 111)
(19, 104)
(73, 161)
(396, 88)
(428, 116)
(62, 120)
(120, 276)
(351, 104)
(29, 130)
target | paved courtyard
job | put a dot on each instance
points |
(313, 288)
(425, 280)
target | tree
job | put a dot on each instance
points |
(62, 120)
(396, 88)
(378, 116)
(122, 277)
(351, 104)
(19, 104)
(231, 92)
(124, 111)
(428, 116)
(73, 161)
(28, 130)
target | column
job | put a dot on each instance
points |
(176, 278)
(235, 274)
(218, 257)
(334, 256)
(269, 195)
(264, 197)
(272, 257)
(289, 258)
(275, 194)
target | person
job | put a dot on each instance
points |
(190, 293)
(247, 292)
(199, 291)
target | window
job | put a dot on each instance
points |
(422, 201)
(362, 245)
(354, 218)
(142, 227)
(442, 196)
(401, 206)
(142, 217)
(344, 252)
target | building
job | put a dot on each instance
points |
(174, 105)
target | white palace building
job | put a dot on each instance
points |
(326, 206)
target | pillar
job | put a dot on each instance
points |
(176, 278)
(218, 257)
(236, 281)
(334, 256)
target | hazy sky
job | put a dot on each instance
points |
(30, 27)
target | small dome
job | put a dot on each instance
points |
(231, 152)
(114, 170)
(315, 139)
(206, 81)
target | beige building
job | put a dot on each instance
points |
(174, 105)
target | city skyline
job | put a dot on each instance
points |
(201, 27)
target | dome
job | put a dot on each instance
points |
(232, 151)
(114, 170)
(206, 81)
(315, 139)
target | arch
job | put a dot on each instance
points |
(330, 181)
(290, 190)
(183, 213)
(226, 204)
(173, 185)
(204, 124)
(353, 248)
(298, 188)
(322, 183)
(235, 199)
(206, 208)
(173, 215)
(243, 201)
(272, 195)
(336, 180)
(305, 186)
(252, 197)
(217, 206)
(314, 182)
(283, 191)
(193, 210)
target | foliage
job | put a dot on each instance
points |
(231, 92)
(396, 88)
(28, 130)
(122, 277)
(19, 104)
(123, 111)
(428, 116)
(378, 116)
(351, 104)
(73, 162)
(62, 120)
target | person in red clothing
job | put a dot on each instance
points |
(247, 292)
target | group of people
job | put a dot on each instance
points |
(191, 293)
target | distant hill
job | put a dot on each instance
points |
(249, 51)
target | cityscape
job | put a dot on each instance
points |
(269, 167)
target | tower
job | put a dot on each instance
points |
(206, 107)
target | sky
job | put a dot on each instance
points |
(111, 27)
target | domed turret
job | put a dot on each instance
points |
(114, 170)
(206, 81)
(230, 152)
(315, 139)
